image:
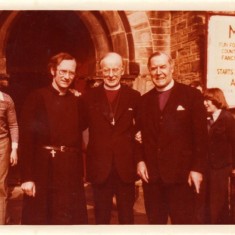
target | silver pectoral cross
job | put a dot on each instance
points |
(53, 152)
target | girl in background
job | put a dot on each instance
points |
(221, 154)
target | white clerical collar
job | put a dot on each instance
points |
(54, 85)
(112, 88)
(216, 114)
(168, 87)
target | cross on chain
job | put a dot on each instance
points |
(53, 152)
(113, 122)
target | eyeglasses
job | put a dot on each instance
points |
(115, 71)
(64, 72)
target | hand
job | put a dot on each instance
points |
(142, 171)
(233, 171)
(29, 188)
(196, 179)
(138, 137)
(13, 157)
(75, 92)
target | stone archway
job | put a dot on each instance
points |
(134, 34)
(130, 33)
(109, 30)
(6, 24)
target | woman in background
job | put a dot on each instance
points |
(221, 154)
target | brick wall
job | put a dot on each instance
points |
(152, 34)
(160, 27)
(188, 38)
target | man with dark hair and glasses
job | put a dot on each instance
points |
(51, 150)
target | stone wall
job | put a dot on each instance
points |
(151, 32)
(135, 35)
(188, 48)
(180, 33)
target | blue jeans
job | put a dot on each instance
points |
(4, 165)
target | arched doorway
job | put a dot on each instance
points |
(37, 35)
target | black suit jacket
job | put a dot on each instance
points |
(111, 146)
(175, 139)
(222, 141)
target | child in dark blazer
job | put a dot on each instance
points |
(221, 154)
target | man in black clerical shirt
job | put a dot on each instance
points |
(174, 134)
(51, 150)
(111, 109)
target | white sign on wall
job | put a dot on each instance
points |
(221, 55)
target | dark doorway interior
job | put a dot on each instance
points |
(34, 38)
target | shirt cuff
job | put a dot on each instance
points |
(14, 145)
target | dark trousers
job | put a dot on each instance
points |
(201, 210)
(54, 207)
(103, 195)
(60, 196)
(232, 198)
(218, 195)
(174, 200)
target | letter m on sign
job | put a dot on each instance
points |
(231, 31)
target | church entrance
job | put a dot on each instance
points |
(37, 35)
